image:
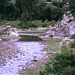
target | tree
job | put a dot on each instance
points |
(18, 6)
(58, 4)
(3, 4)
(72, 6)
(27, 7)
(48, 0)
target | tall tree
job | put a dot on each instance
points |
(28, 7)
(3, 4)
(72, 5)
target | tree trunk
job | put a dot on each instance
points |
(27, 12)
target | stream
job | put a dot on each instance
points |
(30, 49)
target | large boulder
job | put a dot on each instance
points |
(14, 34)
(66, 26)
(10, 31)
(5, 29)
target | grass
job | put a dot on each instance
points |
(9, 23)
(8, 37)
(34, 31)
(53, 45)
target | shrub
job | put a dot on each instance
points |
(22, 25)
(72, 44)
(61, 64)
(68, 47)
(58, 4)
(52, 23)
(46, 23)
(38, 23)
(31, 24)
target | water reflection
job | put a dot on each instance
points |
(30, 38)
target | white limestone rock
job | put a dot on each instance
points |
(14, 34)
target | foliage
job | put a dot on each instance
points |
(58, 4)
(11, 12)
(61, 64)
(36, 23)
(49, 12)
(7, 10)
(72, 6)
(65, 48)
(11, 23)
(1, 17)
(56, 15)
(45, 13)
(52, 23)
(48, 0)
(27, 9)
(68, 47)
(46, 23)
(72, 44)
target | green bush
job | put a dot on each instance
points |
(61, 64)
(22, 25)
(72, 44)
(58, 4)
(52, 23)
(36, 23)
(46, 23)
(68, 47)
(30, 24)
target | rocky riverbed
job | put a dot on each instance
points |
(7, 50)
(16, 55)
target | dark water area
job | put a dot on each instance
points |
(30, 38)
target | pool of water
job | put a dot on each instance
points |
(30, 38)
(28, 50)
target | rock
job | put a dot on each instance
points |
(50, 33)
(5, 29)
(10, 31)
(35, 59)
(0, 39)
(44, 52)
(3, 58)
(46, 36)
(14, 34)
(66, 26)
